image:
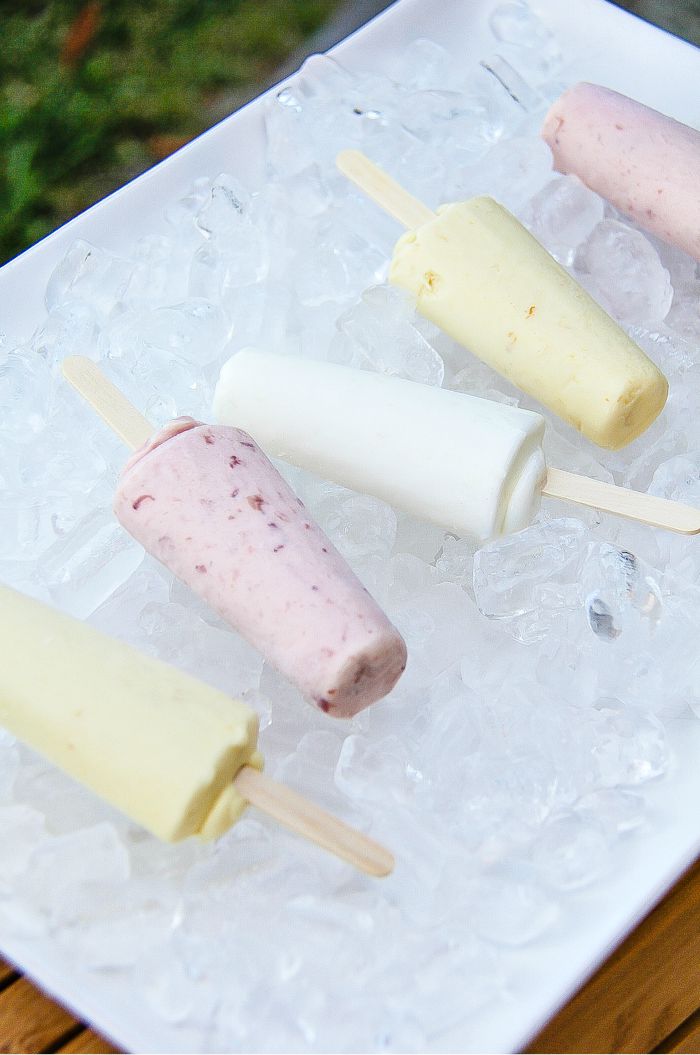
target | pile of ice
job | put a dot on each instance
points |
(544, 670)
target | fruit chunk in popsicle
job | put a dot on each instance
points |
(481, 276)
(472, 466)
(209, 504)
(645, 163)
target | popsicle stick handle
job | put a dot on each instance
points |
(648, 509)
(310, 821)
(383, 189)
(112, 406)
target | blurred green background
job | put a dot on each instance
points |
(92, 93)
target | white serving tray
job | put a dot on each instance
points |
(607, 45)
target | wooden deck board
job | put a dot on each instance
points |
(645, 991)
(87, 1042)
(684, 1039)
(7, 974)
(30, 1021)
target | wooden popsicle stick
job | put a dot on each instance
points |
(635, 505)
(112, 405)
(383, 189)
(309, 820)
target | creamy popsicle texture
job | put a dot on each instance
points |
(645, 163)
(160, 746)
(208, 503)
(481, 276)
(472, 466)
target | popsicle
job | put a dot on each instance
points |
(472, 466)
(645, 163)
(210, 505)
(177, 756)
(481, 276)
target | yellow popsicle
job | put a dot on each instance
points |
(481, 276)
(157, 744)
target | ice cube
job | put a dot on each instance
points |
(512, 172)
(25, 395)
(21, 829)
(562, 215)
(424, 64)
(511, 911)
(382, 328)
(525, 40)
(84, 568)
(622, 595)
(225, 208)
(570, 853)
(623, 271)
(218, 656)
(66, 874)
(358, 525)
(678, 479)
(73, 327)
(456, 560)
(616, 810)
(632, 744)
(193, 332)
(530, 581)
(160, 273)
(9, 766)
(90, 274)
(375, 769)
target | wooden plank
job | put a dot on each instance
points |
(645, 991)
(30, 1021)
(7, 974)
(87, 1042)
(684, 1039)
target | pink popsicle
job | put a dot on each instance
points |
(645, 163)
(209, 504)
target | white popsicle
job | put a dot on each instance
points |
(472, 466)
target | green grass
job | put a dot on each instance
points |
(91, 94)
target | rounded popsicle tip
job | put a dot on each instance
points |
(683, 519)
(349, 159)
(582, 94)
(368, 675)
(637, 407)
(378, 861)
